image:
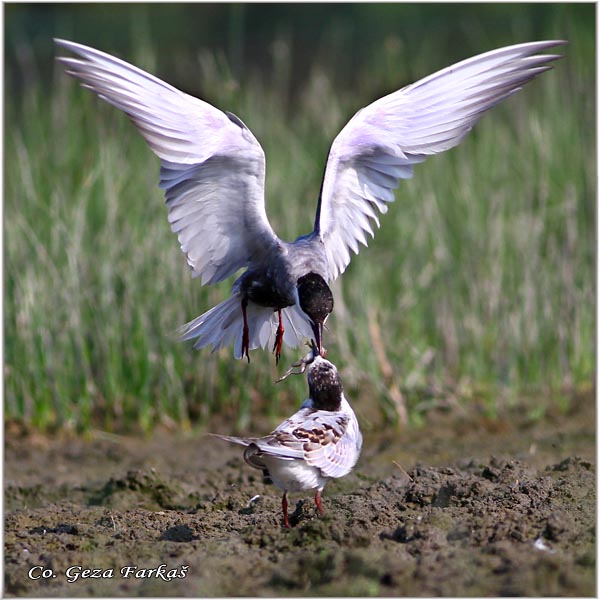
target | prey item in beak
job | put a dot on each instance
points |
(302, 363)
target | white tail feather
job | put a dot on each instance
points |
(233, 439)
(224, 324)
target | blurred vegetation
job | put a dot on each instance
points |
(478, 290)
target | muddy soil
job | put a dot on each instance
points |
(459, 507)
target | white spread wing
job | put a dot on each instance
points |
(382, 142)
(212, 167)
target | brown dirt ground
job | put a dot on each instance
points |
(460, 507)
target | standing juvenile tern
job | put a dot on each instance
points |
(320, 442)
(213, 172)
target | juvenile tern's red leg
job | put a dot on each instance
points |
(318, 502)
(284, 506)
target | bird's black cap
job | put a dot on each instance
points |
(316, 300)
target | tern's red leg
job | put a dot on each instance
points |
(278, 339)
(284, 506)
(245, 334)
(318, 502)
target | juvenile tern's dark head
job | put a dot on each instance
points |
(324, 384)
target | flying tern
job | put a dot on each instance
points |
(212, 169)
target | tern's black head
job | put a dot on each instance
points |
(324, 385)
(316, 300)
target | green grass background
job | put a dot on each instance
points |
(478, 289)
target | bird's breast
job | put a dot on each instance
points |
(270, 283)
(294, 475)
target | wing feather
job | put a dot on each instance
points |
(319, 437)
(212, 167)
(381, 144)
